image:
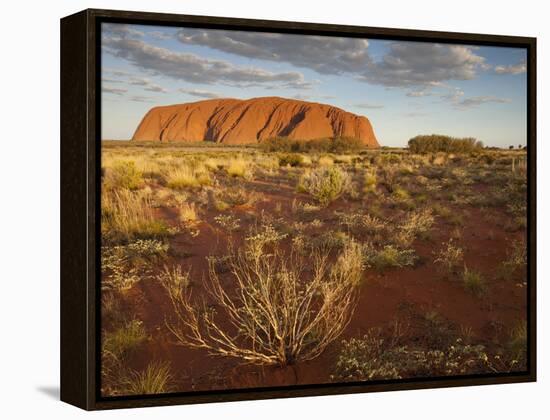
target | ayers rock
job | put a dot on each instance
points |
(236, 121)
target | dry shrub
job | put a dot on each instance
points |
(325, 184)
(450, 257)
(416, 224)
(278, 311)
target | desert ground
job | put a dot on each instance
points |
(243, 267)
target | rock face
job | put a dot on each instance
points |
(235, 121)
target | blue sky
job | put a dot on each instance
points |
(404, 88)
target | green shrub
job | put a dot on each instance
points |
(474, 282)
(440, 143)
(325, 184)
(390, 257)
(327, 145)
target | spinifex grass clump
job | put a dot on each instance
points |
(239, 168)
(127, 215)
(154, 379)
(123, 174)
(474, 282)
(279, 311)
(187, 176)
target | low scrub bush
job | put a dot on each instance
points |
(390, 257)
(228, 222)
(292, 159)
(516, 259)
(325, 184)
(124, 265)
(418, 223)
(450, 257)
(327, 145)
(369, 181)
(439, 143)
(373, 357)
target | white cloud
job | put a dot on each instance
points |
(454, 95)
(121, 30)
(456, 98)
(114, 91)
(518, 68)
(195, 69)
(138, 98)
(406, 64)
(369, 106)
(147, 85)
(480, 100)
(161, 36)
(155, 88)
(415, 114)
(418, 93)
(326, 55)
(415, 64)
(200, 93)
(108, 80)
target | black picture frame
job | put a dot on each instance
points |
(80, 206)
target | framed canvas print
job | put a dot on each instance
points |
(258, 209)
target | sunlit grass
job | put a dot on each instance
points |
(126, 215)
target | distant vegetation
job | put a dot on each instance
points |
(327, 145)
(440, 143)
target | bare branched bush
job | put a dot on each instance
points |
(277, 311)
